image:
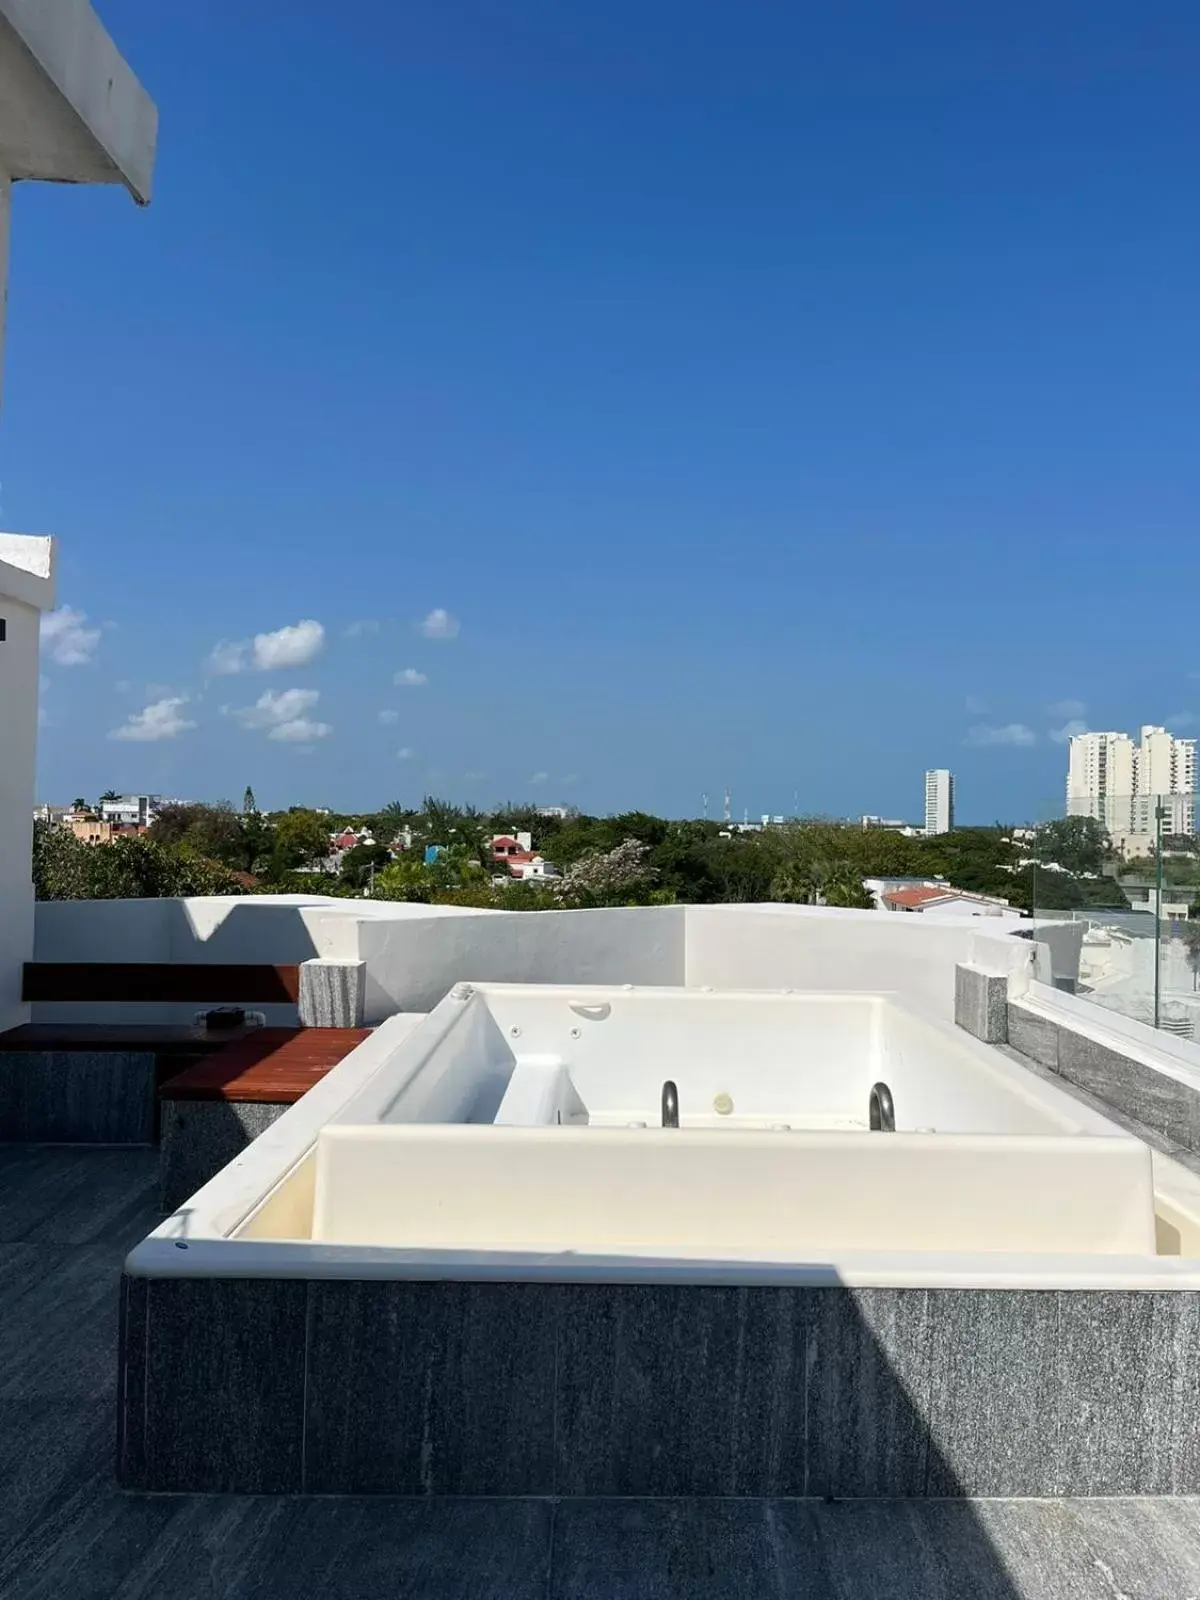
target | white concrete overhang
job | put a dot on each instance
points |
(71, 110)
(28, 569)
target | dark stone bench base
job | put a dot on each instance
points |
(77, 1096)
(199, 1137)
(342, 1387)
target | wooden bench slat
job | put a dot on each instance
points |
(271, 1065)
(192, 983)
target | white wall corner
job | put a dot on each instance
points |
(29, 569)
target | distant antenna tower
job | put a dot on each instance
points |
(728, 806)
(704, 805)
(745, 816)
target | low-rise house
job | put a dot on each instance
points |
(942, 900)
(504, 846)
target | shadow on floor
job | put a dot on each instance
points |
(67, 1216)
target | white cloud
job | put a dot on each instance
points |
(293, 646)
(275, 707)
(410, 678)
(1012, 733)
(301, 731)
(439, 624)
(1068, 731)
(66, 638)
(161, 719)
(228, 656)
(404, 754)
(1070, 710)
(540, 777)
(389, 718)
(362, 629)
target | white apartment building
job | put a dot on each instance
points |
(71, 111)
(1102, 779)
(131, 810)
(1166, 772)
(939, 800)
(1118, 782)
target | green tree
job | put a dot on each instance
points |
(132, 867)
(844, 887)
(1079, 844)
(301, 840)
(361, 863)
(110, 794)
(1191, 943)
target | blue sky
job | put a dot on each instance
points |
(785, 396)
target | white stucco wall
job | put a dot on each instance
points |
(412, 963)
(213, 929)
(18, 747)
(808, 947)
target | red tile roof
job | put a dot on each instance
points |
(919, 895)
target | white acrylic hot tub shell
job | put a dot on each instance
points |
(254, 1218)
(669, 1191)
(522, 1053)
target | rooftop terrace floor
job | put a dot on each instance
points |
(68, 1214)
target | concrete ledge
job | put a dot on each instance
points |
(981, 1002)
(199, 1137)
(73, 111)
(1167, 1101)
(243, 1385)
(77, 1096)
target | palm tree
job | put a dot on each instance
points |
(796, 883)
(844, 887)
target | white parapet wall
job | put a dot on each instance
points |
(26, 590)
(414, 953)
(809, 947)
(411, 963)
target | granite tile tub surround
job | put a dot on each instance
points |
(77, 1096)
(444, 1388)
(1167, 1106)
(981, 1002)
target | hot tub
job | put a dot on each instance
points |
(473, 1260)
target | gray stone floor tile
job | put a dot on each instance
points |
(75, 1194)
(92, 1545)
(49, 1451)
(1147, 1548)
(683, 1550)
(58, 1328)
(349, 1549)
(1045, 1553)
(900, 1550)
